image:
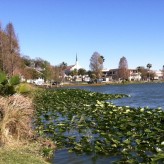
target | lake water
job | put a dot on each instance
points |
(141, 95)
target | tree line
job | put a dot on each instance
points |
(12, 62)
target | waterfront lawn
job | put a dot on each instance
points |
(84, 122)
(24, 155)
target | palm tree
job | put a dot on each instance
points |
(163, 71)
(103, 59)
(149, 66)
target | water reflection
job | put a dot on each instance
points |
(63, 157)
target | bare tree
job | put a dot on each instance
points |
(12, 49)
(56, 73)
(62, 67)
(123, 72)
(96, 64)
(1, 48)
(143, 72)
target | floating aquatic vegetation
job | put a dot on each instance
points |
(84, 122)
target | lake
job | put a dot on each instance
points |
(141, 95)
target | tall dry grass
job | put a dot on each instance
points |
(15, 119)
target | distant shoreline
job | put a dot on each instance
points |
(72, 84)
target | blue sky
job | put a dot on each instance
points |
(55, 30)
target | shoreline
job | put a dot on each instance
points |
(97, 84)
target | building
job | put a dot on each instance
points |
(70, 68)
(134, 75)
(158, 75)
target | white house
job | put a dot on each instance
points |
(134, 75)
(158, 75)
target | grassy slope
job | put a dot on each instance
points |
(12, 156)
(21, 155)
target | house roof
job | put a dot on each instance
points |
(68, 68)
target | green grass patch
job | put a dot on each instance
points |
(20, 156)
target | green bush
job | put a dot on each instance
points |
(14, 80)
(6, 89)
(23, 88)
(3, 78)
(7, 86)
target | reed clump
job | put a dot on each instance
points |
(16, 114)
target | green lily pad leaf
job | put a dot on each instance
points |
(147, 131)
(138, 141)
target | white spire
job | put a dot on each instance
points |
(76, 66)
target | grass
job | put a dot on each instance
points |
(23, 155)
(18, 141)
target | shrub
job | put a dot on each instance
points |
(14, 80)
(23, 88)
(7, 86)
(6, 89)
(3, 78)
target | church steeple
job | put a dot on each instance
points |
(76, 63)
(76, 66)
(76, 57)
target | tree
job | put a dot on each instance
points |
(143, 72)
(1, 49)
(148, 67)
(81, 71)
(96, 64)
(30, 73)
(56, 73)
(62, 67)
(74, 72)
(163, 71)
(89, 73)
(39, 63)
(123, 72)
(46, 70)
(13, 57)
(27, 61)
(102, 59)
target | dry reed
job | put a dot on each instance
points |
(15, 119)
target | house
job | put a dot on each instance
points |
(159, 75)
(134, 75)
